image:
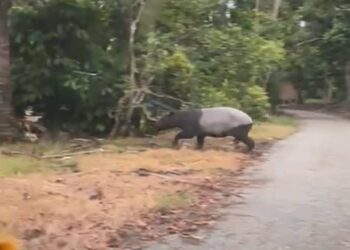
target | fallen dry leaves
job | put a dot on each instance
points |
(112, 202)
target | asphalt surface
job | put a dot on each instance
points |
(299, 197)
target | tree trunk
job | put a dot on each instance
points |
(347, 81)
(329, 91)
(276, 9)
(222, 19)
(266, 81)
(6, 128)
(132, 96)
(300, 96)
(257, 5)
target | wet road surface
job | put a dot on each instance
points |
(302, 200)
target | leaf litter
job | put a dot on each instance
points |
(111, 203)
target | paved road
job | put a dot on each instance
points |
(302, 201)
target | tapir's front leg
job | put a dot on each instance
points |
(182, 135)
(200, 141)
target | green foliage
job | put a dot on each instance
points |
(255, 102)
(318, 51)
(211, 97)
(60, 66)
(176, 71)
(238, 64)
(205, 58)
(70, 57)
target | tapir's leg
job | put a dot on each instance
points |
(249, 142)
(241, 134)
(182, 135)
(200, 141)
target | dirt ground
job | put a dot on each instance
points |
(82, 210)
(130, 186)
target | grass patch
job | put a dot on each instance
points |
(314, 101)
(44, 147)
(277, 127)
(49, 147)
(283, 120)
(162, 140)
(181, 199)
(11, 166)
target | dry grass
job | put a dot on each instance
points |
(85, 208)
(50, 209)
(77, 209)
(162, 159)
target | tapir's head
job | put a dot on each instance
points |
(168, 121)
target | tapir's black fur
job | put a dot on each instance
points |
(188, 122)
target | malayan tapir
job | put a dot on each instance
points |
(212, 122)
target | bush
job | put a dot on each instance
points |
(255, 102)
(60, 66)
(70, 60)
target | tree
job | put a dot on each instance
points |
(327, 32)
(276, 9)
(99, 66)
(134, 92)
(63, 64)
(5, 87)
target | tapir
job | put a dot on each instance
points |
(211, 122)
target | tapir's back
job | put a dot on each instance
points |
(220, 119)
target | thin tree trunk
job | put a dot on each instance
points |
(300, 96)
(329, 91)
(276, 9)
(347, 80)
(257, 5)
(266, 81)
(222, 8)
(6, 130)
(132, 96)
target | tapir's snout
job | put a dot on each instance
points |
(163, 123)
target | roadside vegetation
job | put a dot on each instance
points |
(83, 81)
(24, 158)
(135, 181)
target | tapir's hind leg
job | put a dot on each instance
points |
(241, 134)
